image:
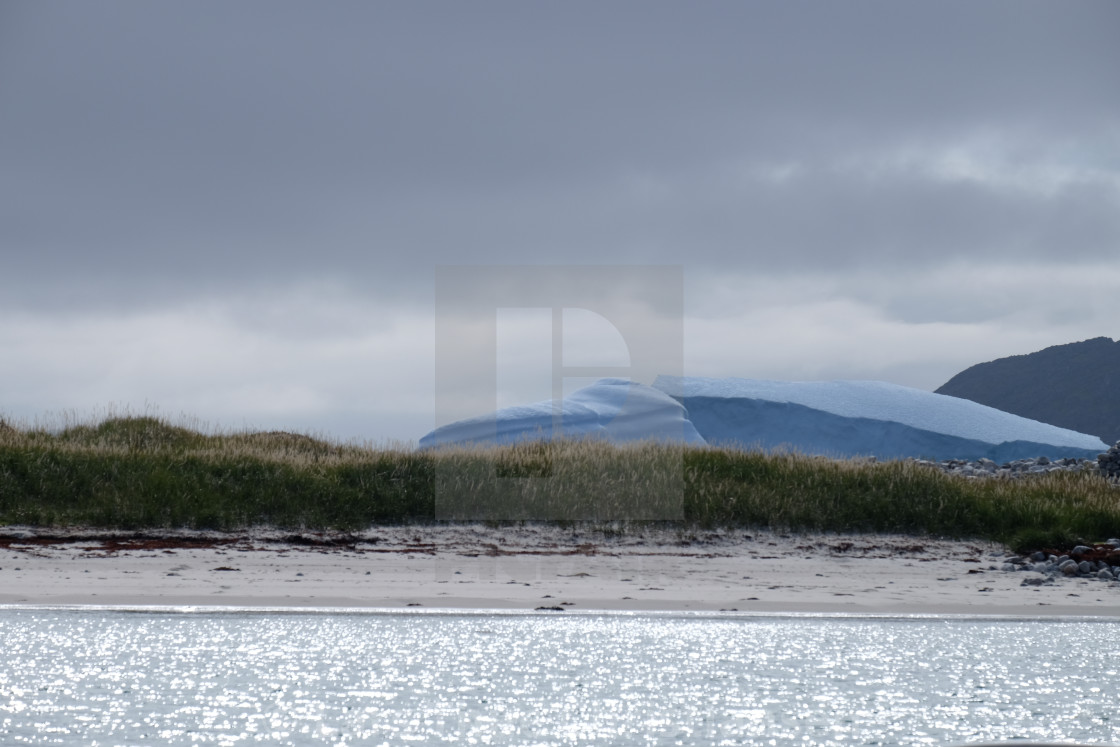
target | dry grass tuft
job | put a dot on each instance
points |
(131, 472)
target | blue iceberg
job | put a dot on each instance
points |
(829, 418)
(614, 410)
(864, 418)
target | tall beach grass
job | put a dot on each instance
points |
(144, 472)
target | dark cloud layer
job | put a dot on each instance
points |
(235, 209)
(208, 145)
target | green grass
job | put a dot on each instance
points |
(143, 472)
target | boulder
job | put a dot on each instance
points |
(1109, 463)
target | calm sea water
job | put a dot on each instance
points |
(233, 678)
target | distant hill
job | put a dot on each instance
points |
(1075, 386)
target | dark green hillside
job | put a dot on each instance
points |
(1075, 386)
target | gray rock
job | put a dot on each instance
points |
(1080, 550)
(1105, 575)
(1085, 567)
(1068, 567)
(1035, 581)
(1114, 542)
(1108, 464)
(1038, 556)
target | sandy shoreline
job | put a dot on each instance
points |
(530, 567)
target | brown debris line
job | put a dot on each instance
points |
(347, 541)
(111, 546)
(112, 543)
(25, 545)
(847, 547)
(115, 544)
(140, 543)
(494, 550)
(425, 549)
(685, 555)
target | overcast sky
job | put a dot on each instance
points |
(235, 211)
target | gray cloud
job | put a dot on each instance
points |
(140, 134)
(162, 155)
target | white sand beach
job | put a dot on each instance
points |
(530, 567)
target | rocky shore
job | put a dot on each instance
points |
(1084, 561)
(1107, 464)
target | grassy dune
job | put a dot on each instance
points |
(143, 472)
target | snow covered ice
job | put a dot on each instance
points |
(865, 418)
(832, 418)
(615, 410)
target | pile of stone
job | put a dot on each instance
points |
(1018, 468)
(1084, 561)
(1109, 463)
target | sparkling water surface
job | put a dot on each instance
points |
(106, 677)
